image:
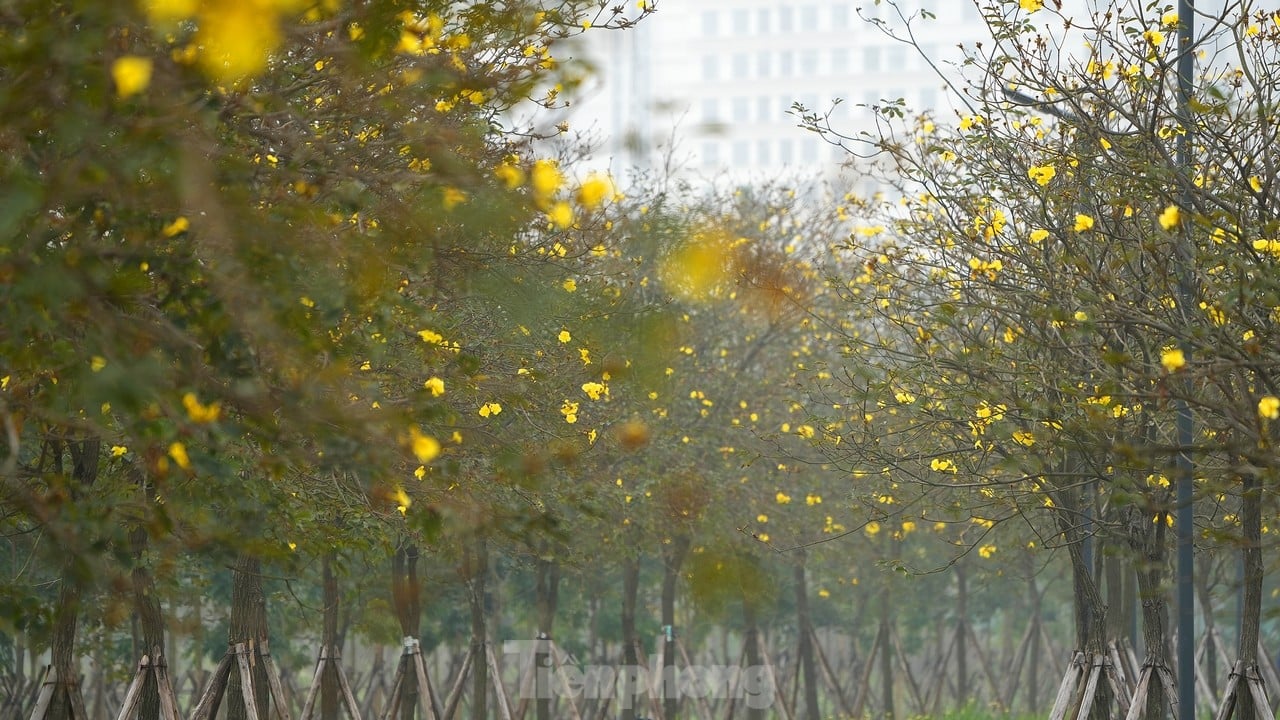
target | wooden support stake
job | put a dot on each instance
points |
(1068, 686)
(1258, 690)
(207, 707)
(1140, 693)
(426, 701)
(1228, 704)
(246, 682)
(764, 654)
(345, 687)
(134, 694)
(557, 659)
(913, 687)
(455, 692)
(504, 704)
(1090, 687)
(830, 675)
(281, 703)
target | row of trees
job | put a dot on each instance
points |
(286, 291)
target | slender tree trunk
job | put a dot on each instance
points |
(329, 640)
(804, 626)
(477, 568)
(546, 588)
(248, 625)
(407, 602)
(673, 558)
(1033, 652)
(962, 617)
(755, 659)
(63, 648)
(630, 640)
(85, 455)
(150, 621)
(1251, 608)
(886, 654)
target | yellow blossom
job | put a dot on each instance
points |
(1042, 174)
(1173, 360)
(1170, 217)
(1083, 222)
(424, 447)
(118, 450)
(199, 412)
(434, 385)
(782, 498)
(131, 74)
(179, 225)
(1038, 235)
(178, 452)
(1269, 407)
(1031, 5)
(593, 190)
(564, 336)
(490, 409)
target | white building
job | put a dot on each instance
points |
(718, 77)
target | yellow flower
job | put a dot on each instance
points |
(424, 447)
(1083, 222)
(179, 225)
(1269, 407)
(1042, 174)
(594, 390)
(594, 190)
(564, 336)
(762, 518)
(97, 362)
(782, 498)
(1255, 182)
(1169, 19)
(1031, 5)
(490, 409)
(570, 285)
(178, 452)
(1170, 217)
(1173, 360)
(561, 215)
(199, 412)
(1155, 37)
(987, 551)
(435, 386)
(1024, 438)
(812, 500)
(430, 336)
(118, 450)
(453, 197)
(132, 75)
(570, 411)
(545, 178)
(510, 175)
(1081, 316)
(1037, 236)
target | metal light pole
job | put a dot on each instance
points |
(1185, 518)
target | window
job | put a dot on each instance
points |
(762, 21)
(764, 64)
(740, 114)
(786, 63)
(741, 155)
(710, 153)
(809, 150)
(897, 57)
(710, 23)
(784, 19)
(785, 152)
(710, 67)
(741, 65)
(840, 17)
(762, 152)
(740, 21)
(809, 18)
(871, 59)
(764, 110)
(808, 63)
(840, 61)
(928, 99)
(710, 110)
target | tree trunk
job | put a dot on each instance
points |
(1251, 608)
(804, 626)
(150, 621)
(630, 641)
(407, 602)
(248, 625)
(885, 643)
(755, 660)
(329, 639)
(85, 455)
(962, 617)
(477, 568)
(546, 587)
(673, 558)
